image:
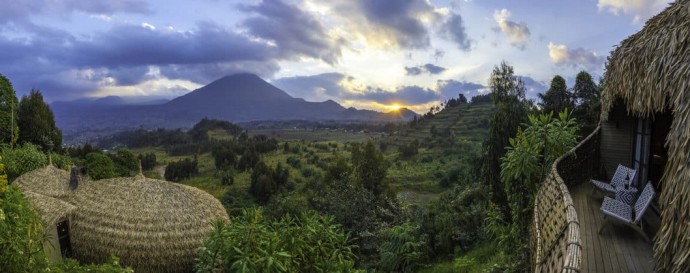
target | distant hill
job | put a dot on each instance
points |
(236, 98)
(465, 122)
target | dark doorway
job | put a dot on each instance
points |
(650, 154)
(658, 155)
(63, 238)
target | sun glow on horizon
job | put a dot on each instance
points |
(394, 107)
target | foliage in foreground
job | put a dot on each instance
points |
(308, 243)
(22, 159)
(525, 166)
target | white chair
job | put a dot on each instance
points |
(621, 177)
(630, 215)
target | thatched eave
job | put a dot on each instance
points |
(650, 70)
(50, 210)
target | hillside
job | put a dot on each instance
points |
(464, 122)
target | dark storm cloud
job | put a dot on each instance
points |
(18, 10)
(125, 53)
(292, 30)
(454, 29)
(130, 45)
(427, 68)
(451, 89)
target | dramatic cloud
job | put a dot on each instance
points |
(452, 88)
(21, 9)
(427, 68)
(578, 57)
(338, 87)
(517, 33)
(119, 55)
(454, 29)
(640, 9)
(292, 30)
(387, 23)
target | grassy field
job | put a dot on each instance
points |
(415, 179)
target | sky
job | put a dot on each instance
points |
(368, 54)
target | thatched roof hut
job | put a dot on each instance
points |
(151, 225)
(650, 73)
(50, 210)
(48, 181)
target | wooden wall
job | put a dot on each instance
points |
(616, 140)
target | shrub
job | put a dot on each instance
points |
(22, 159)
(182, 169)
(21, 233)
(403, 251)
(148, 161)
(99, 166)
(250, 243)
(126, 163)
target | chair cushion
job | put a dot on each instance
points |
(617, 209)
(626, 196)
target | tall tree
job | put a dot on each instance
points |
(37, 123)
(557, 98)
(9, 130)
(370, 168)
(587, 95)
(508, 96)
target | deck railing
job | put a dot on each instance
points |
(555, 244)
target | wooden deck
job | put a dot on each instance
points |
(619, 248)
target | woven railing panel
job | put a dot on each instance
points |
(555, 243)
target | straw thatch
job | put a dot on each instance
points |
(50, 210)
(152, 225)
(650, 72)
(49, 181)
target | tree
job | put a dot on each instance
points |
(370, 168)
(37, 123)
(20, 160)
(526, 164)
(587, 95)
(99, 166)
(148, 161)
(9, 129)
(507, 95)
(181, 169)
(557, 98)
(126, 163)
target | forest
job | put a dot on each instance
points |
(450, 191)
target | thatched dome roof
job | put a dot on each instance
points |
(651, 68)
(650, 72)
(152, 225)
(49, 181)
(50, 210)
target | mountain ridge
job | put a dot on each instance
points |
(236, 98)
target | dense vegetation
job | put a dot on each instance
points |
(450, 191)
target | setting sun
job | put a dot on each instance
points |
(394, 107)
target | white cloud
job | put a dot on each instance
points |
(578, 57)
(517, 33)
(641, 9)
